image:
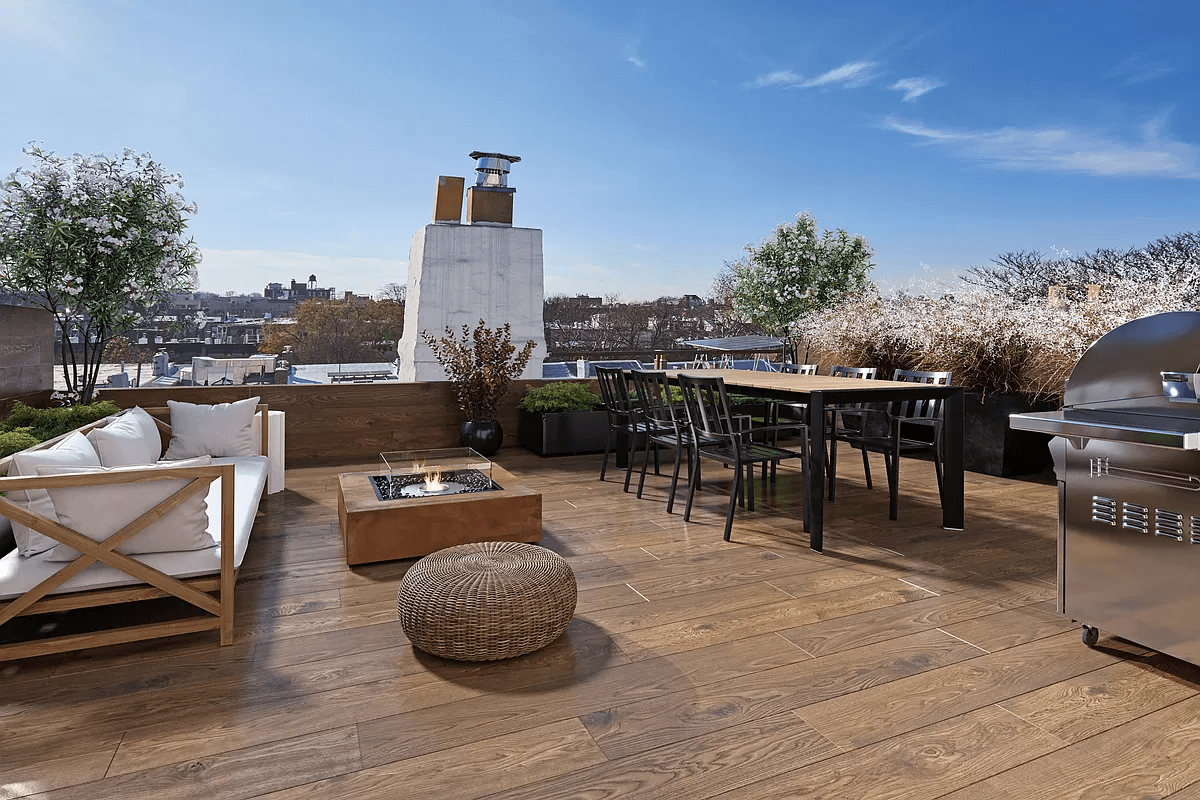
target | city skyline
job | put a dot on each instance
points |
(656, 139)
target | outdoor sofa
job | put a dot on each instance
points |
(102, 515)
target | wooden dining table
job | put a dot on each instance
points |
(821, 391)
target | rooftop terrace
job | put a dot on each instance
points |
(904, 662)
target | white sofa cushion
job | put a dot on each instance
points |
(98, 511)
(129, 440)
(18, 575)
(216, 430)
(73, 451)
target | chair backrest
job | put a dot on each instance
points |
(707, 407)
(914, 409)
(653, 396)
(801, 369)
(864, 373)
(614, 391)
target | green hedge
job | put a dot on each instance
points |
(26, 426)
(564, 396)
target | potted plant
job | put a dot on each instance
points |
(560, 418)
(481, 365)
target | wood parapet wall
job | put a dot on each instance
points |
(331, 423)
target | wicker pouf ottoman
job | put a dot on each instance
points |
(486, 601)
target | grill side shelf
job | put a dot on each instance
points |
(1155, 431)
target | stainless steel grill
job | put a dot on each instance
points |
(1127, 458)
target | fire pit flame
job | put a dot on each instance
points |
(433, 480)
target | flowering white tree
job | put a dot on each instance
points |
(97, 241)
(796, 272)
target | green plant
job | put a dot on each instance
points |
(16, 441)
(46, 423)
(797, 272)
(563, 396)
(481, 365)
(98, 242)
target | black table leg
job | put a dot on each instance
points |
(814, 516)
(953, 516)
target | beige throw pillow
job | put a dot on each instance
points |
(130, 440)
(73, 451)
(215, 430)
(101, 510)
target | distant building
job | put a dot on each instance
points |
(298, 292)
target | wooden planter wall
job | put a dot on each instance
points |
(332, 423)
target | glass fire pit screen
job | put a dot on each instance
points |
(432, 473)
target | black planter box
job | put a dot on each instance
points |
(557, 433)
(991, 446)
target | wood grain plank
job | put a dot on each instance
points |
(1082, 707)
(922, 764)
(467, 772)
(698, 768)
(901, 706)
(1153, 756)
(424, 731)
(231, 776)
(642, 725)
(730, 626)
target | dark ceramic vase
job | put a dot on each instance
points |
(481, 435)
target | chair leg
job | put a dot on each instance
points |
(750, 485)
(629, 458)
(733, 493)
(831, 467)
(642, 479)
(675, 476)
(692, 485)
(866, 467)
(607, 448)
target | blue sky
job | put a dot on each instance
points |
(657, 139)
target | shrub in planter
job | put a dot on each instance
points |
(26, 426)
(561, 418)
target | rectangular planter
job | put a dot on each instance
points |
(558, 433)
(991, 446)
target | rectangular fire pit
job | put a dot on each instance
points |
(390, 513)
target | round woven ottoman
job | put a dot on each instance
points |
(486, 601)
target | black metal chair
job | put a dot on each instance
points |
(719, 437)
(797, 410)
(845, 419)
(902, 419)
(623, 417)
(665, 425)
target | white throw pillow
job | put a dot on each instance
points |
(73, 451)
(99, 511)
(218, 431)
(128, 441)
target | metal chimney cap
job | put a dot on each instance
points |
(510, 159)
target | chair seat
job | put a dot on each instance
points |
(751, 451)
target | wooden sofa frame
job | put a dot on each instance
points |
(211, 593)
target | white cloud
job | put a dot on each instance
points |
(637, 62)
(1141, 68)
(781, 78)
(856, 73)
(245, 271)
(915, 87)
(1067, 150)
(850, 75)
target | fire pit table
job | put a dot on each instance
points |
(422, 501)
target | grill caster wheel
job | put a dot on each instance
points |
(1090, 635)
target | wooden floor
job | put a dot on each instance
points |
(904, 662)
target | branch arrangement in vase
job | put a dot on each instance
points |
(480, 364)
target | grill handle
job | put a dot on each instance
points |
(1099, 467)
(1179, 387)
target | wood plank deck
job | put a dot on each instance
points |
(904, 662)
